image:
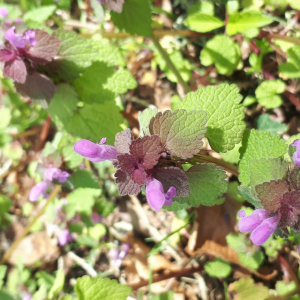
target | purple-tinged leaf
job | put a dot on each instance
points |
(38, 87)
(126, 185)
(123, 140)
(147, 150)
(181, 132)
(139, 176)
(294, 178)
(45, 48)
(125, 162)
(270, 193)
(7, 55)
(16, 70)
(288, 217)
(292, 199)
(173, 176)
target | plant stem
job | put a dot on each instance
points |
(227, 166)
(169, 63)
(27, 229)
(283, 37)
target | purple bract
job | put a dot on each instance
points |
(137, 163)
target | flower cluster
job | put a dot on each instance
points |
(50, 175)
(140, 162)
(21, 53)
(115, 5)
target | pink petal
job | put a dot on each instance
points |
(38, 190)
(265, 230)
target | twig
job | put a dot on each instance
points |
(295, 100)
(169, 63)
(82, 263)
(227, 166)
(157, 278)
(27, 229)
(287, 296)
(283, 37)
(152, 230)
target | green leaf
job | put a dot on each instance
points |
(144, 119)
(233, 191)
(180, 132)
(265, 170)
(203, 8)
(223, 52)
(291, 69)
(76, 49)
(284, 289)
(272, 246)
(176, 206)
(245, 289)
(84, 179)
(224, 113)
(255, 145)
(72, 158)
(101, 82)
(207, 185)
(93, 122)
(3, 270)
(252, 261)
(67, 297)
(182, 65)
(64, 103)
(249, 100)
(203, 23)
(232, 156)
(74, 55)
(267, 91)
(164, 296)
(264, 122)
(5, 204)
(41, 294)
(135, 17)
(97, 231)
(98, 288)
(4, 295)
(242, 21)
(246, 193)
(5, 116)
(108, 52)
(58, 284)
(81, 200)
(40, 14)
(236, 241)
(295, 5)
(217, 268)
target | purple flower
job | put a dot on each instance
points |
(3, 12)
(117, 255)
(115, 5)
(259, 223)
(96, 218)
(20, 40)
(156, 196)
(55, 173)
(27, 297)
(296, 155)
(38, 190)
(64, 237)
(96, 152)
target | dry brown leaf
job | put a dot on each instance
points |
(34, 247)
